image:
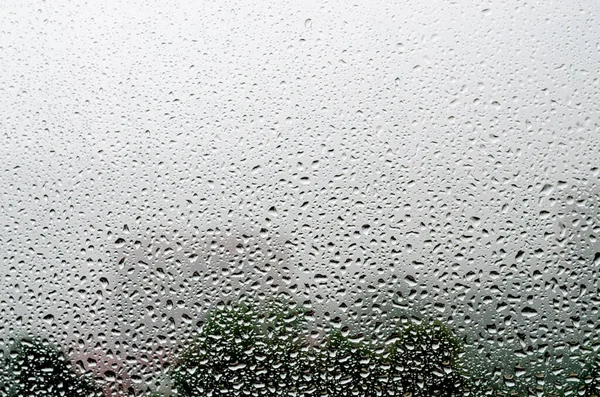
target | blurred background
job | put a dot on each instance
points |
(367, 157)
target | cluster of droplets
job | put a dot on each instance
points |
(367, 160)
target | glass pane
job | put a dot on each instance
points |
(235, 198)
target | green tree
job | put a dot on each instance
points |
(588, 379)
(349, 366)
(247, 348)
(35, 368)
(419, 359)
(424, 360)
(259, 348)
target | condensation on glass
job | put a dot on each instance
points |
(260, 198)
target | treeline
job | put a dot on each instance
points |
(33, 367)
(265, 348)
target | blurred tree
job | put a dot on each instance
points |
(349, 366)
(259, 348)
(35, 368)
(589, 378)
(424, 360)
(246, 348)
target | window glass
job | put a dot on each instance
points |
(368, 198)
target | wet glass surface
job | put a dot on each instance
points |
(299, 199)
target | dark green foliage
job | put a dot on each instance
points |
(253, 348)
(424, 360)
(586, 383)
(34, 368)
(348, 366)
(419, 360)
(247, 348)
(590, 379)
